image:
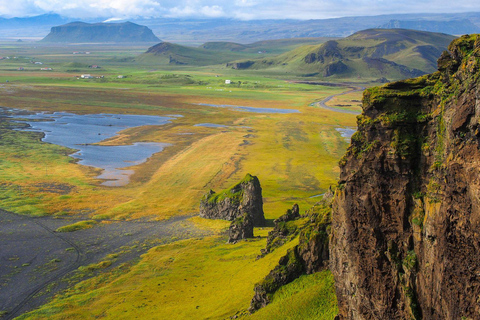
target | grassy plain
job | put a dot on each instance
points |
(295, 156)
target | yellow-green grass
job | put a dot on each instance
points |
(77, 226)
(308, 297)
(294, 155)
(190, 279)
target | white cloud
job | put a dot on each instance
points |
(212, 12)
(243, 9)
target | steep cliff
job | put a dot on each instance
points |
(405, 236)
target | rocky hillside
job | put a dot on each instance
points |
(391, 53)
(406, 216)
(81, 32)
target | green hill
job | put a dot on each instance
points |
(174, 54)
(391, 53)
(267, 47)
(220, 52)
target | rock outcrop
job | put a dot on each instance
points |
(285, 229)
(309, 256)
(230, 204)
(406, 215)
(241, 228)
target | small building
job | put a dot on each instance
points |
(21, 69)
(228, 81)
(46, 69)
(86, 76)
(121, 77)
(38, 62)
(94, 66)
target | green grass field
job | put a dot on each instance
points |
(294, 155)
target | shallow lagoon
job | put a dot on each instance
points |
(81, 131)
(346, 133)
(251, 109)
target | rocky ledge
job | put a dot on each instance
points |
(242, 204)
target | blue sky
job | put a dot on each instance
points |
(239, 9)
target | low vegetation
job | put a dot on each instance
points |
(294, 155)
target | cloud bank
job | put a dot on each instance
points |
(238, 9)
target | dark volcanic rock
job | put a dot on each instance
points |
(335, 68)
(244, 197)
(284, 230)
(241, 228)
(241, 65)
(406, 216)
(78, 32)
(289, 268)
(309, 256)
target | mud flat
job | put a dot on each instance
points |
(36, 262)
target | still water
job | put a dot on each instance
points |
(81, 131)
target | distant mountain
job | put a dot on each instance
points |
(390, 53)
(456, 27)
(197, 31)
(200, 31)
(81, 32)
(42, 20)
(37, 26)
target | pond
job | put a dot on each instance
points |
(251, 109)
(81, 132)
(346, 133)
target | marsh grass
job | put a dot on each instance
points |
(295, 156)
(77, 226)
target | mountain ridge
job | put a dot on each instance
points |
(392, 53)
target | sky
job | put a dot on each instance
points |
(237, 9)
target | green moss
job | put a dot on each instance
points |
(234, 193)
(414, 305)
(77, 226)
(410, 262)
(404, 143)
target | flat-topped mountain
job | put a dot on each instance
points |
(391, 53)
(81, 32)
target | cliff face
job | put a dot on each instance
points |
(405, 236)
(233, 203)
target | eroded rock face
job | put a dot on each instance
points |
(406, 218)
(241, 228)
(244, 197)
(309, 256)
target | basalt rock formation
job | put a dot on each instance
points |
(243, 198)
(309, 256)
(241, 228)
(405, 237)
(285, 229)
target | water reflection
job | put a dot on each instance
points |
(81, 131)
